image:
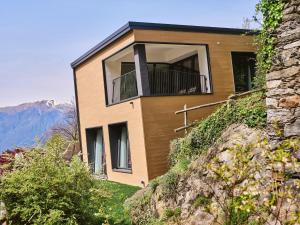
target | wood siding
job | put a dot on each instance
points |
(158, 112)
(95, 113)
(151, 120)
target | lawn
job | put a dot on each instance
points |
(111, 204)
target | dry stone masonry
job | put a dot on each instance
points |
(283, 80)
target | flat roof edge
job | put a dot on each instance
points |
(157, 26)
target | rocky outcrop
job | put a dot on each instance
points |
(238, 169)
(283, 80)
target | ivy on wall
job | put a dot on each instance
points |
(271, 11)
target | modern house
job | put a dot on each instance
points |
(129, 86)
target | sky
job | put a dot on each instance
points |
(39, 39)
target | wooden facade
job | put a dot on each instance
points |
(150, 119)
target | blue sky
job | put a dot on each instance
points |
(39, 39)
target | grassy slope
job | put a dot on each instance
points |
(111, 206)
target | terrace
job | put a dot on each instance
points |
(151, 69)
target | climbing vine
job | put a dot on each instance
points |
(271, 12)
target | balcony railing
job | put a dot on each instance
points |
(124, 87)
(161, 82)
(174, 82)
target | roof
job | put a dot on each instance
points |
(155, 26)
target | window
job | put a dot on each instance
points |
(243, 70)
(95, 148)
(190, 64)
(119, 147)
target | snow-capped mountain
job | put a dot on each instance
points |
(21, 125)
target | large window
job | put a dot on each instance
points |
(119, 147)
(243, 69)
(95, 148)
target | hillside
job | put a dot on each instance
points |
(21, 125)
(225, 172)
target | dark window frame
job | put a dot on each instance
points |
(114, 156)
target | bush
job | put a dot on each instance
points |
(249, 110)
(44, 189)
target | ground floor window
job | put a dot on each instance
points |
(95, 148)
(119, 146)
(243, 70)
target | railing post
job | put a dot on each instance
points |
(185, 118)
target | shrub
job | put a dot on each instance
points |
(250, 110)
(44, 189)
(171, 213)
(202, 200)
(169, 183)
(139, 207)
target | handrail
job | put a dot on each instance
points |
(217, 103)
(125, 74)
(124, 87)
(185, 110)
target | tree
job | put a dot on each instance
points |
(68, 130)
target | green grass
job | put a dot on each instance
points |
(110, 205)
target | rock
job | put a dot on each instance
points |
(273, 83)
(225, 156)
(279, 115)
(292, 45)
(288, 72)
(292, 129)
(201, 218)
(290, 102)
(280, 92)
(271, 102)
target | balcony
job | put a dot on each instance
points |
(156, 70)
(162, 83)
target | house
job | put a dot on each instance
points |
(129, 86)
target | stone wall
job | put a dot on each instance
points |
(283, 80)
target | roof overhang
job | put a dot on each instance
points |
(156, 26)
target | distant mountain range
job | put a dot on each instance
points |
(21, 125)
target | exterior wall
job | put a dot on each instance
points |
(151, 120)
(158, 112)
(94, 113)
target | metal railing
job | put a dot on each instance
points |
(161, 82)
(124, 87)
(175, 82)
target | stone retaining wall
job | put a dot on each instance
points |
(283, 80)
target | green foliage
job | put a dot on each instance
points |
(139, 207)
(168, 183)
(237, 216)
(271, 11)
(154, 183)
(202, 200)
(249, 110)
(43, 189)
(252, 194)
(171, 213)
